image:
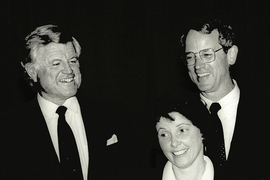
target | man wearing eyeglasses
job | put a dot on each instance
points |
(209, 51)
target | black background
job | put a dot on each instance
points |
(130, 49)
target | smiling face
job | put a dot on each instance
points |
(56, 68)
(214, 77)
(180, 140)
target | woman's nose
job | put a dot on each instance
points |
(175, 141)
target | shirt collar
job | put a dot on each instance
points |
(228, 99)
(49, 109)
(72, 104)
(168, 172)
(208, 174)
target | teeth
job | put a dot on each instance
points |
(203, 74)
(67, 80)
(177, 153)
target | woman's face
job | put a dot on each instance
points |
(180, 140)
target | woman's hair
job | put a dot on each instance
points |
(193, 110)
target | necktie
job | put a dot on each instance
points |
(69, 156)
(217, 143)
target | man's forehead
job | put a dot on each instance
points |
(197, 41)
(68, 47)
(56, 49)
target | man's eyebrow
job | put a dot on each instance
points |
(187, 124)
(74, 57)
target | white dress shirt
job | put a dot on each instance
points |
(74, 119)
(227, 114)
(208, 174)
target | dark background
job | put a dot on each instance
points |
(130, 49)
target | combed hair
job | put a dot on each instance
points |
(44, 35)
(41, 37)
(226, 33)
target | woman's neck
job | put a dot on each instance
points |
(193, 172)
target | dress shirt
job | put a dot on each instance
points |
(227, 113)
(74, 119)
(208, 174)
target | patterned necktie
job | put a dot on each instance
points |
(217, 143)
(69, 156)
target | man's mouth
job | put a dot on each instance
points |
(66, 80)
(181, 152)
(200, 75)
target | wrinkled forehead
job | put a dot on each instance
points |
(56, 49)
(196, 41)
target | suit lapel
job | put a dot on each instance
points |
(44, 143)
(247, 146)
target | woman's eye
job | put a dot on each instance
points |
(164, 135)
(183, 130)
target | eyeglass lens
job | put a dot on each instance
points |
(207, 55)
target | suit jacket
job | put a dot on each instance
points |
(248, 153)
(34, 157)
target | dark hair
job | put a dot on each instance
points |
(226, 34)
(195, 111)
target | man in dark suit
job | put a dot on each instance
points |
(101, 139)
(209, 51)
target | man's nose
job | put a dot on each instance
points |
(67, 68)
(199, 63)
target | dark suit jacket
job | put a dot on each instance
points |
(248, 152)
(34, 157)
(249, 155)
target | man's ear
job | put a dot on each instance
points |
(31, 70)
(232, 55)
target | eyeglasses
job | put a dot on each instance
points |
(207, 56)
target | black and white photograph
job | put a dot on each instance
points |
(134, 89)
